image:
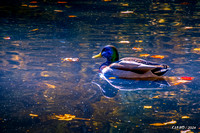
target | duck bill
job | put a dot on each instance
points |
(97, 56)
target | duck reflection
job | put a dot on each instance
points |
(111, 85)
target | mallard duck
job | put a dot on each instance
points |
(128, 67)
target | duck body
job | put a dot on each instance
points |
(129, 67)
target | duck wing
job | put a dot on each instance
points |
(136, 65)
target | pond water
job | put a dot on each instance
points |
(41, 93)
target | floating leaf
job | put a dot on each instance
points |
(112, 77)
(147, 107)
(70, 59)
(58, 10)
(124, 42)
(34, 29)
(33, 2)
(7, 38)
(144, 55)
(197, 49)
(188, 28)
(50, 86)
(106, 0)
(61, 2)
(187, 78)
(137, 49)
(33, 115)
(170, 122)
(25, 5)
(185, 117)
(127, 12)
(138, 40)
(68, 117)
(161, 21)
(72, 16)
(158, 56)
(157, 124)
(163, 124)
(32, 6)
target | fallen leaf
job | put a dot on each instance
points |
(112, 77)
(58, 10)
(170, 122)
(197, 49)
(32, 6)
(50, 86)
(157, 124)
(147, 107)
(161, 21)
(187, 78)
(70, 59)
(61, 2)
(158, 56)
(34, 29)
(124, 42)
(33, 2)
(7, 38)
(185, 117)
(127, 12)
(33, 115)
(144, 55)
(188, 28)
(138, 40)
(72, 16)
(137, 49)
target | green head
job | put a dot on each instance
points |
(109, 52)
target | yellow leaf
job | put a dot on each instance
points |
(112, 77)
(161, 21)
(33, 115)
(50, 86)
(158, 56)
(144, 55)
(147, 107)
(197, 49)
(185, 117)
(157, 124)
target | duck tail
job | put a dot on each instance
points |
(159, 71)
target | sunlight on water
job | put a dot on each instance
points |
(50, 83)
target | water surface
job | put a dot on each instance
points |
(36, 86)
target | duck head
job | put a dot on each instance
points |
(110, 53)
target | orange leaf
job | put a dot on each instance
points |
(33, 2)
(137, 49)
(7, 38)
(61, 2)
(58, 10)
(144, 55)
(158, 56)
(72, 16)
(33, 115)
(197, 49)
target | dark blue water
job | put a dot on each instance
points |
(36, 86)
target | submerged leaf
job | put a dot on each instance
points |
(158, 56)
